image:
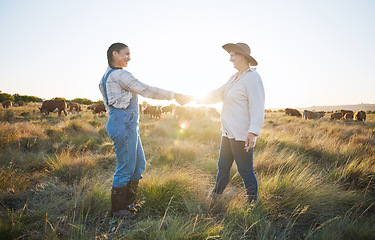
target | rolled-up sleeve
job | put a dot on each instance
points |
(256, 99)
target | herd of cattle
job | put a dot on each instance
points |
(8, 103)
(179, 111)
(342, 114)
(60, 106)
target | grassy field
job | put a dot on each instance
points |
(315, 180)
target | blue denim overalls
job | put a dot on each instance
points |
(122, 127)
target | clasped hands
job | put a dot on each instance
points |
(183, 99)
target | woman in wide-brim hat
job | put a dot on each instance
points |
(242, 117)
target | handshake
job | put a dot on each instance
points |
(183, 99)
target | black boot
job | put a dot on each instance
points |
(251, 194)
(119, 202)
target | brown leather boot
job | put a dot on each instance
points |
(132, 194)
(119, 202)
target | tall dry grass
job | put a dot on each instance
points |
(315, 180)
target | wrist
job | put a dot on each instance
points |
(252, 134)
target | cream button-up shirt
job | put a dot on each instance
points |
(243, 105)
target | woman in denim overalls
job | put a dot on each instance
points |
(120, 94)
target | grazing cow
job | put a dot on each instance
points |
(360, 116)
(99, 108)
(349, 115)
(346, 111)
(146, 110)
(74, 106)
(92, 106)
(21, 103)
(7, 104)
(292, 112)
(167, 109)
(313, 115)
(155, 111)
(336, 115)
(53, 106)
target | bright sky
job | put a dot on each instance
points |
(309, 52)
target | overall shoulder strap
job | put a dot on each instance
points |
(104, 83)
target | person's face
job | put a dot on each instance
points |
(237, 59)
(121, 59)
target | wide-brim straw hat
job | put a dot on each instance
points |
(241, 48)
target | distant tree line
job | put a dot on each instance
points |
(17, 97)
(84, 101)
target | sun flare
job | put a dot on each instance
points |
(184, 124)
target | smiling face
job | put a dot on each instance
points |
(238, 60)
(121, 58)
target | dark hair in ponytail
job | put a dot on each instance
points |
(114, 47)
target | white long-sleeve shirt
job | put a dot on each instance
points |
(243, 105)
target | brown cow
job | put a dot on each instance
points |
(167, 109)
(349, 115)
(292, 112)
(346, 111)
(146, 110)
(7, 104)
(74, 106)
(336, 115)
(53, 106)
(99, 108)
(92, 106)
(155, 111)
(21, 103)
(313, 115)
(360, 116)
